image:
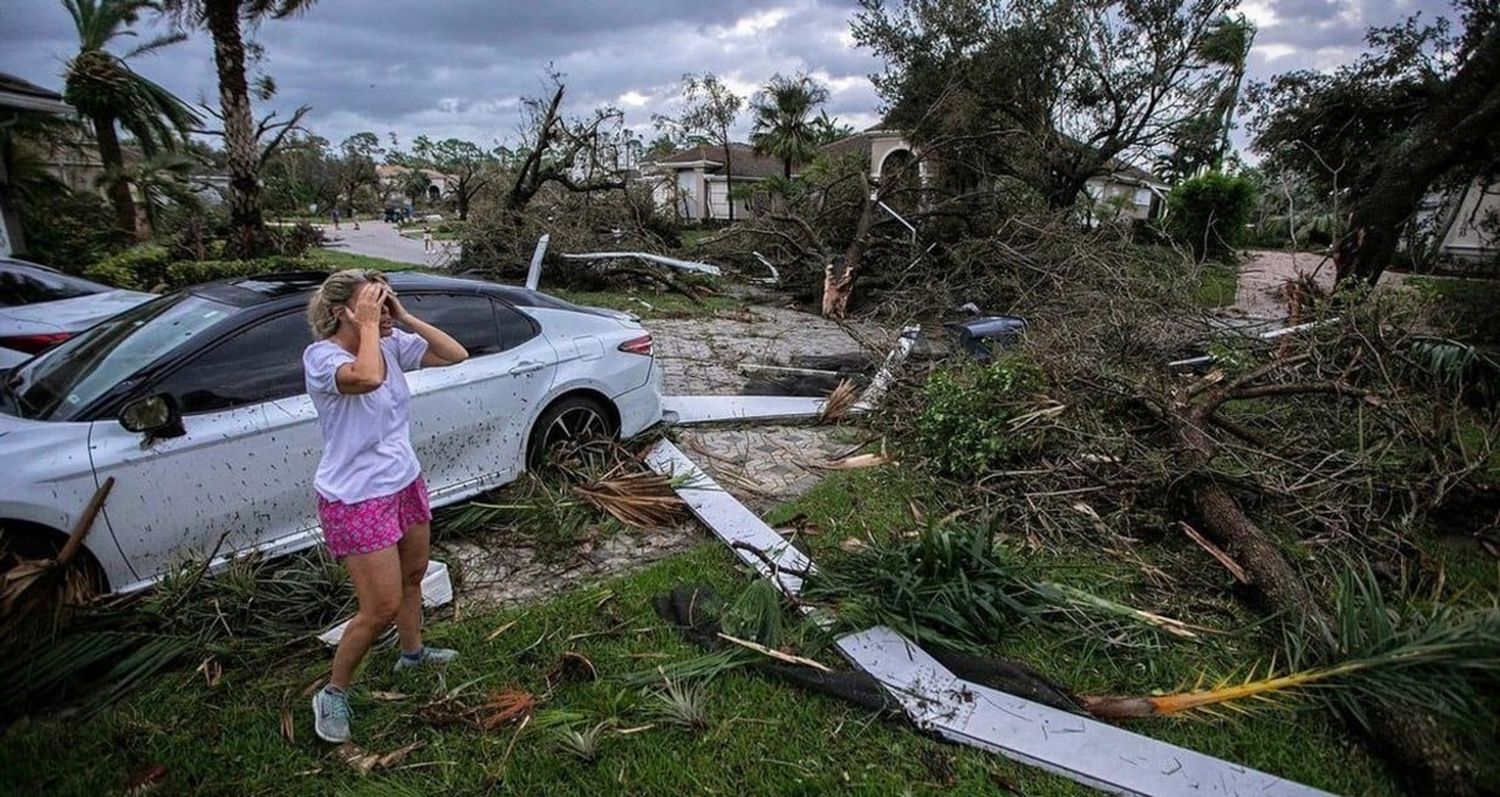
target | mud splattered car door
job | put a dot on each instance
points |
(469, 421)
(221, 484)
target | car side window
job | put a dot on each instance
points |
(515, 328)
(469, 318)
(261, 363)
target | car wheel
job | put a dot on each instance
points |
(573, 420)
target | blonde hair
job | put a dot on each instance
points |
(335, 292)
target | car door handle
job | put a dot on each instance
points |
(527, 367)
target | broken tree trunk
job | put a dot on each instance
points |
(1424, 757)
(838, 276)
(1444, 137)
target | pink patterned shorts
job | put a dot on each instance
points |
(374, 524)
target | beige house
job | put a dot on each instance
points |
(393, 183)
(695, 183)
(692, 181)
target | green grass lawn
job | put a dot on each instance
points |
(340, 259)
(763, 737)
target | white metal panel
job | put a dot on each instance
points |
(730, 521)
(732, 409)
(1077, 747)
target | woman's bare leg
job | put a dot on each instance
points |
(377, 586)
(413, 548)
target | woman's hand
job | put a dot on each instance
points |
(397, 310)
(364, 311)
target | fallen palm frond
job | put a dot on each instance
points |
(1443, 660)
(642, 499)
(839, 402)
(364, 762)
(759, 613)
(109, 663)
(1066, 596)
(31, 586)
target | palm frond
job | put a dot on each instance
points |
(1443, 660)
(156, 43)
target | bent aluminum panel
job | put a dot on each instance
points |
(1076, 747)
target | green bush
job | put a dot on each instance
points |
(138, 268)
(1209, 213)
(68, 230)
(965, 424)
(192, 272)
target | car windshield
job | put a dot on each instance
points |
(60, 383)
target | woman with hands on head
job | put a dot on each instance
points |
(372, 502)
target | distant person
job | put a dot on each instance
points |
(427, 246)
(335, 215)
(354, 217)
(372, 501)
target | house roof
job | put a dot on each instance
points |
(386, 171)
(743, 160)
(24, 95)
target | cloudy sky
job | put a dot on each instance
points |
(458, 67)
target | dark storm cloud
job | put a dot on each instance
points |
(458, 67)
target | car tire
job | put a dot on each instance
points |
(570, 419)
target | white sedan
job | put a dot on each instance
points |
(194, 403)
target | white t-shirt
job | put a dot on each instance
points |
(367, 449)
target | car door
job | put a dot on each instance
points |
(222, 485)
(469, 422)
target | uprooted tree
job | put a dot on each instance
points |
(1298, 458)
(1419, 112)
(1053, 93)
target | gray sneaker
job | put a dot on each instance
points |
(331, 715)
(429, 655)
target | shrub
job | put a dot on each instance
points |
(68, 230)
(965, 422)
(1209, 213)
(138, 268)
(192, 272)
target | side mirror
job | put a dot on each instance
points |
(155, 416)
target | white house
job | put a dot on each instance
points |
(1464, 224)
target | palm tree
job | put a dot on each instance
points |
(222, 19)
(162, 181)
(784, 125)
(105, 90)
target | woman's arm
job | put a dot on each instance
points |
(442, 349)
(367, 372)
